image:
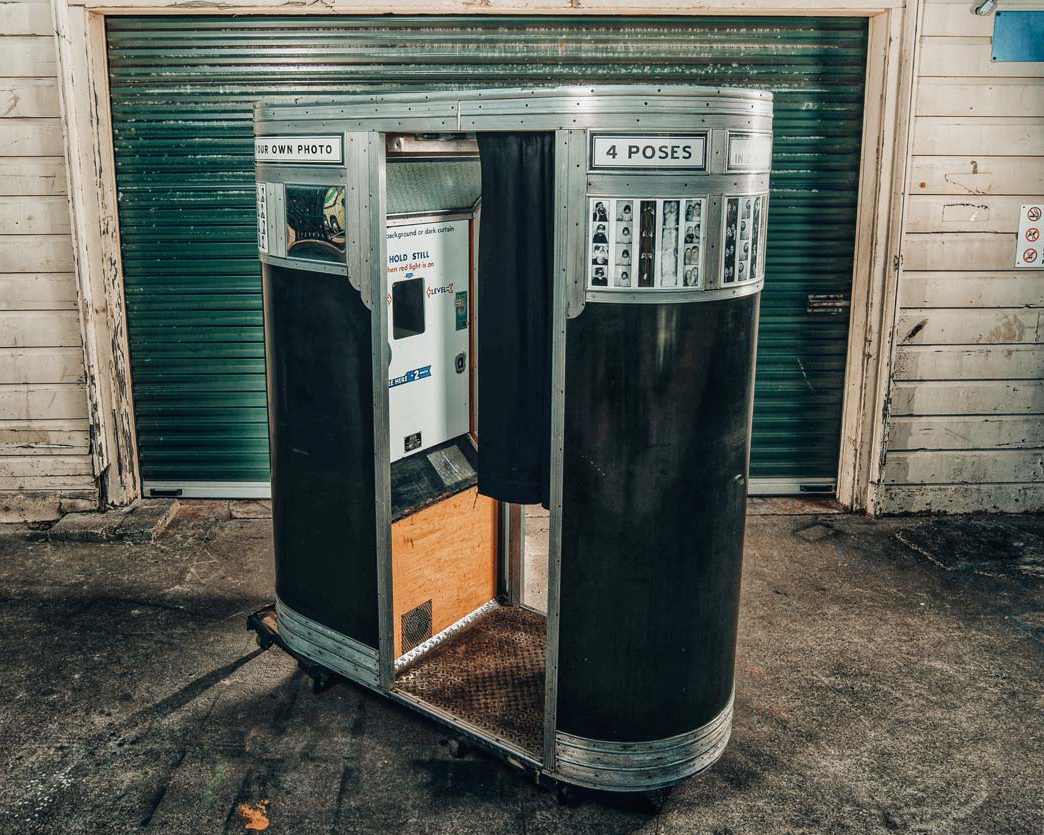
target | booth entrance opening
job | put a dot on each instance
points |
(495, 313)
(466, 643)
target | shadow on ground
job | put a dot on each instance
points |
(886, 682)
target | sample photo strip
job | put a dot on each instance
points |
(743, 247)
(670, 218)
(692, 240)
(600, 269)
(624, 213)
(728, 272)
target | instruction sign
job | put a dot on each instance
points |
(1029, 248)
(324, 149)
(429, 274)
(622, 151)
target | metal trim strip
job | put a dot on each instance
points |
(676, 296)
(645, 765)
(560, 99)
(407, 658)
(665, 184)
(374, 288)
(304, 264)
(340, 653)
(792, 487)
(569, 146)
(210, 489)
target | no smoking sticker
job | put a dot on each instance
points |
(1029, 249)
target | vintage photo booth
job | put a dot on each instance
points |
(484, 299)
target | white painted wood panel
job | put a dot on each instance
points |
(974, 326)
(35, 471)
(31, 137)
(30, 176)
(38, 291)
(973, 397)
(970, 432)
(947, 57)
(56, 401)
(39, 437)
(983, 213)
(39, 328)
(26, 19)
(41, 365)
(29, 57)
(968, 498)
(997, 136)
(984, 174)
(35, 253)
(969, 362)
(29, 96)
(45, 455)
(40, 215)
(979, 97)
(961, 251)
(1014, 288)
(964, 467)
(955, 19)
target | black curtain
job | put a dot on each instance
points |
(516, 250)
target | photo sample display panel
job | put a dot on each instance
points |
(647, 243)
(743, 256)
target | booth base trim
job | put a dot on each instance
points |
(338, 652)
(642, 766)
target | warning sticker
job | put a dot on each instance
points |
(1029, 249)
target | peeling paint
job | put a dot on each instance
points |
(916, 329)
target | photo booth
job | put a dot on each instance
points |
(483, 299)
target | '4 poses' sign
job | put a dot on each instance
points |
(616, 151)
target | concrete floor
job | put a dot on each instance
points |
(883, 685)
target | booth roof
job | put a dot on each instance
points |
(362, 104)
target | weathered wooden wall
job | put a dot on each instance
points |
(966, 408)
(45, 462)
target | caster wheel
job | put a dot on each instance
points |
(652, 802)
(565, 794)
(263, 642)
(320, 681)
(458, 747)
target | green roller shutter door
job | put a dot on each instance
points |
(182, 89)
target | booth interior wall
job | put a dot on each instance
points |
(182, 90)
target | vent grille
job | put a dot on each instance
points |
(416, 626)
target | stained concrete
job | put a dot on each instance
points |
(877, 691)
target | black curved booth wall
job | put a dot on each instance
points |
(320, 412)
(657, 410)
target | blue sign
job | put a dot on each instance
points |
(1018, 36)
(410, 376)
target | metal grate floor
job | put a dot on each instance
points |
(491, 675)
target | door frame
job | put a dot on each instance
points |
(83, 84)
